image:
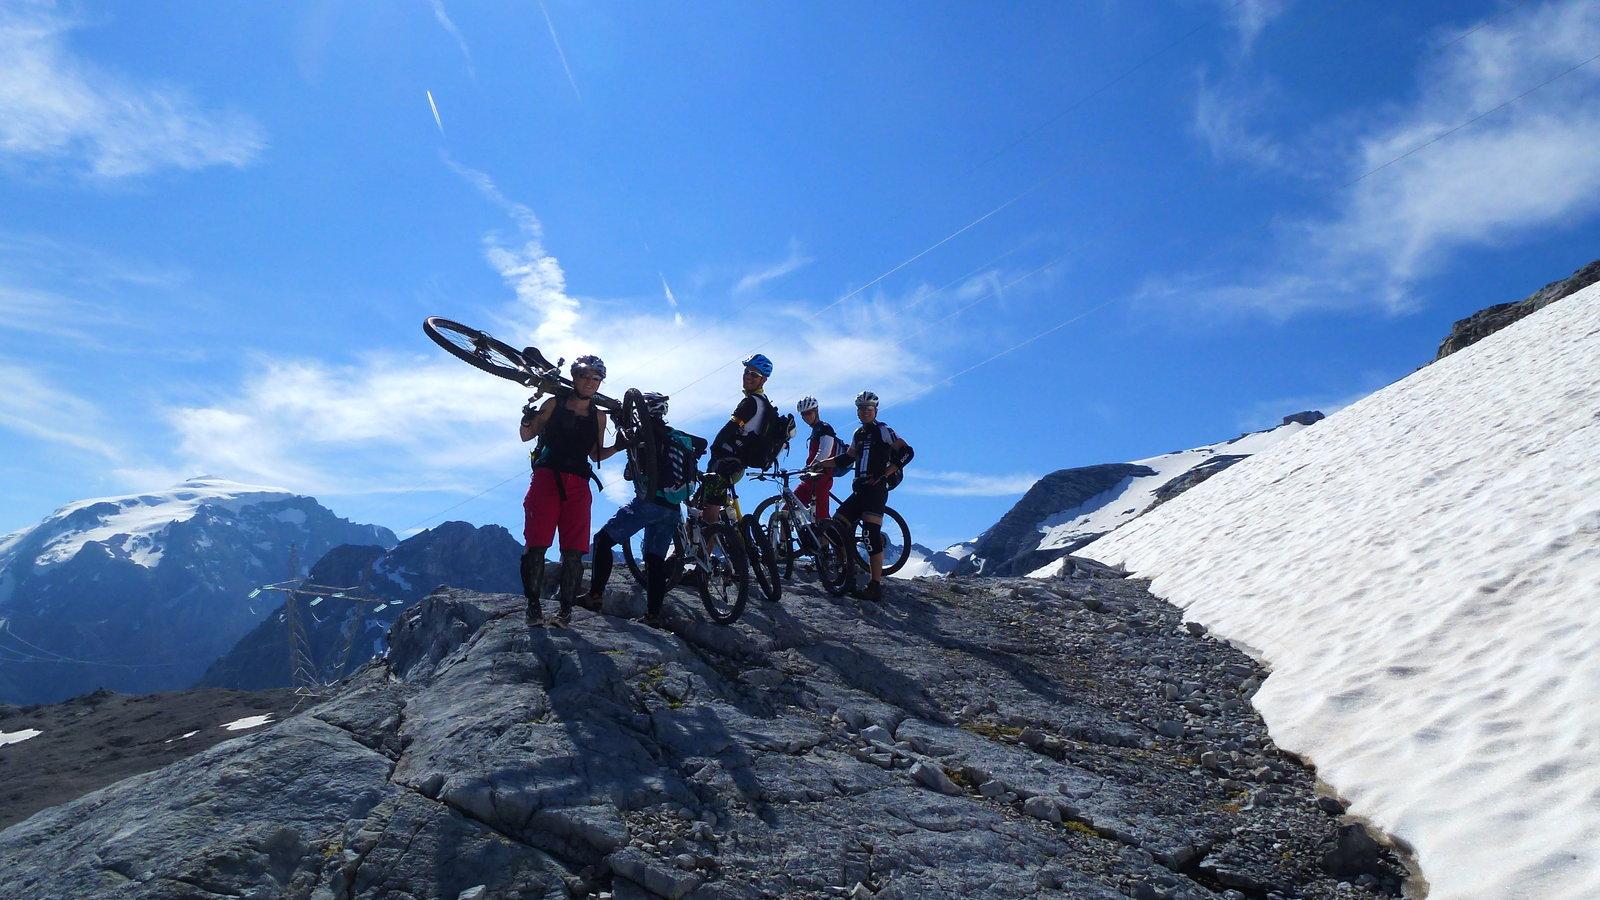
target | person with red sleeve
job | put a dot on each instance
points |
(571, 432)
(822, 448)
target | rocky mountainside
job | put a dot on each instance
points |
(1487, 321)
(1071, 507)
(140, 593)
(343, 634)
(999, 737)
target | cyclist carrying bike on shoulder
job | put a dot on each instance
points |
(735, 444)
(571, 432)
(878, 456)
(654, 509)
(821, 449)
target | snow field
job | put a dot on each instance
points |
(1422, 572)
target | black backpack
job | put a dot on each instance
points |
(761, 448)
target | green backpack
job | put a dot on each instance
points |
(677, 466)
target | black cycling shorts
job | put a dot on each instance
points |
(864, 499)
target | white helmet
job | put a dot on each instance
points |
(867, 398)
(806, 404)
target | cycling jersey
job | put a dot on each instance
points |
(824, 443)
(873, 449)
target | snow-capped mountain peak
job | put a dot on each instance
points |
(133, 523)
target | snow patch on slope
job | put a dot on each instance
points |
(1422, 571)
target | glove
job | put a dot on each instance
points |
(530, 410)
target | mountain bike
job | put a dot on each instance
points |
(529, 368)
(789, 530)
(895, 554)
(710, 554)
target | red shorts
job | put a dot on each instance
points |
(545, 510)
(816, 490)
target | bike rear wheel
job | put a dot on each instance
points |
(725, 581)
(477, 349)
(897, 540)
(763, 561)
(634, 420)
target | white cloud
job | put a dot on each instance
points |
(394, 421)
(967, 484)
(1524, 169)
(755, 280)
(55, 105)
(33, 406)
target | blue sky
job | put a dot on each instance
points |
(223, 225)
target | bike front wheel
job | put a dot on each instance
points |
(762, 560)
(633, 556)
(724, 579)
(835, 552)
(477, 349)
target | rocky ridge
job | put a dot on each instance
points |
(995, 737)
(1487, 321)
(342, 635)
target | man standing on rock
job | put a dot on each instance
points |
(571, 432)
(878, 455)
(654, 508)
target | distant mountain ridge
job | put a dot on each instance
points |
(1071, 507)
(140, 593)
(343, 634)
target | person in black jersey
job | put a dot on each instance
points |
(571, 432)
(878, 455)
(733, 445)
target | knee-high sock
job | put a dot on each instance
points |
(571, 577)
(533, 577)
(600, 562)
(655, 577)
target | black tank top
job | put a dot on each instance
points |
(566, 440)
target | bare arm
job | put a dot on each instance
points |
(531, 428)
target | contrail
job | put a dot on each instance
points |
(677, 317)
(435, 107)
(559, 52)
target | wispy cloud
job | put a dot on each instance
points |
(1248, 18)
(57, 106)
(1525, 168)
(562, 54)
(967, 484)
(754, 280)
(1226, 110)
(34, 406)
(445, 22)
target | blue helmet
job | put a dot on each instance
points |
(760, 363)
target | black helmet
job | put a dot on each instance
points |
(656, 404)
